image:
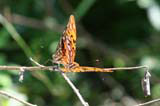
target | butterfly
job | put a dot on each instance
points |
(66, 51)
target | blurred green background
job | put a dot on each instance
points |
(111, 33)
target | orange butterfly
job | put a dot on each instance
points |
(66, 51)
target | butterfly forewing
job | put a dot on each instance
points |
(65, 53)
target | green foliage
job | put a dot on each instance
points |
(117, 33)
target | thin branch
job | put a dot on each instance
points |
(30, 68)
(149, 102)
(36, 62)
(128, 68)
(76, 91)
(52, 68)
(15, 98)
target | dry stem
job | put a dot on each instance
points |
(149, 102)
(15, 98)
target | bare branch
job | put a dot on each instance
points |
(15, 98)
(51, 68)
(36, 62)
(34, 68)
(149, 102)
(129, 68)
(76, 91)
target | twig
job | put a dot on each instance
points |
(76, 91)
(35, 62)
(34, 68)
(51, 68)
(149, 102)
(15, 98)
(128, 68)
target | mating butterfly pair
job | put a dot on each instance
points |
(66, 51)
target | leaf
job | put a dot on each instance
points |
(5, 81)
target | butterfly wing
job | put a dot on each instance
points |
(66, 50)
